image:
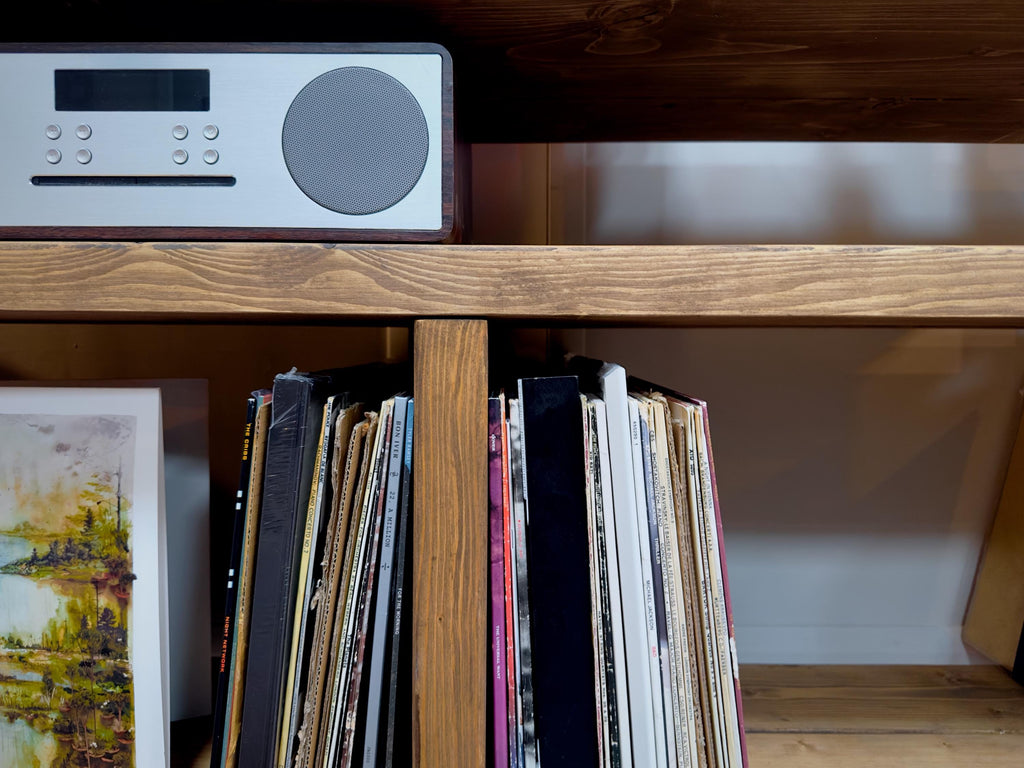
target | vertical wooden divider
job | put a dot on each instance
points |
(450, 544)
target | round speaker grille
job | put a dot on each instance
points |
(355, 140)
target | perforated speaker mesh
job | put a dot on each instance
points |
(355, 140)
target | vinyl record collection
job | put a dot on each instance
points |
(315, 660)
(609, 618)
(611, 634)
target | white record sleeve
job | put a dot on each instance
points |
(652, 648)
(614, 588)
(641, 713)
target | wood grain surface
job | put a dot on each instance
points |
(995, 616)
(882, 716)
(590, 70)
(844, 750)
(853, 717)
(449, 640)
(881, 699)
(658, 285)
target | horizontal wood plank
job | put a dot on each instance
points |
(773, 750)
(748, 69)
(591, 70)
(881, 699)
(667, 285)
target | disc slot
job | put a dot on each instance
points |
(133, 181)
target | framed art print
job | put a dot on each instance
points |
(83, 606)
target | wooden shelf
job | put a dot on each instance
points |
(796, 716)
(845, 717)
(638, 285)
(868, 716)
(591, 70)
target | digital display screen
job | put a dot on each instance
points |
(132, 90)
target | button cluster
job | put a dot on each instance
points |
(84, 132)
(54, 132)
(181, 132)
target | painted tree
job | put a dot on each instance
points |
(49, 686)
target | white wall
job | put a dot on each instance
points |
(859, 468)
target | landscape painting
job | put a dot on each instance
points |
(68, 565)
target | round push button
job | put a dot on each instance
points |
(180, 156)
(53, 156)
(53, 131)
(83, 131)
(211, 131)
(83, 156)
(179, 132)
(211, 156)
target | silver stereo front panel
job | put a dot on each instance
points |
(199, 140)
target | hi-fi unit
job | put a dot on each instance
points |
(339, 141)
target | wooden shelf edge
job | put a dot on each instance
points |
(628, 285)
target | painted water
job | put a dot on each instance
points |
(65, 680)
(22, 745)
(27, 604)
